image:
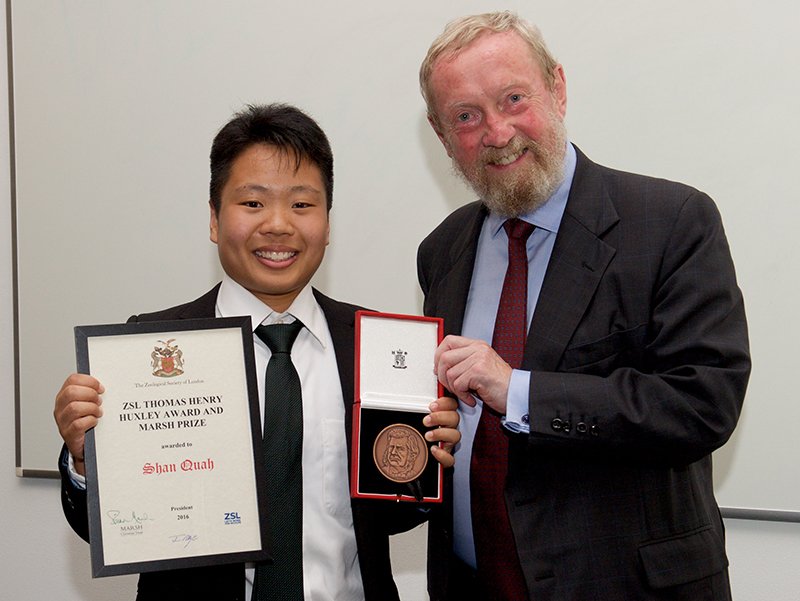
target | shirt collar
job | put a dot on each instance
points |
(234, 300)
(548, 216)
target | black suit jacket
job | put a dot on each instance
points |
(373, 521)
(639, 361)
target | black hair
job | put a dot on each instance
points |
(281, 125)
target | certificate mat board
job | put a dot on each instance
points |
(395, 384)
(174, 467)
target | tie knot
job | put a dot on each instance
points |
(518, 229)
(280, 337)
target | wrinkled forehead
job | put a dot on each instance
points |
(464, 61)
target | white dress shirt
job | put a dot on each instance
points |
(330, 558)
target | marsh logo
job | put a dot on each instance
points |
(232, 517)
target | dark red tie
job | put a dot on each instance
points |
(498, 563)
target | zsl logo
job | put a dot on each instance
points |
(232, 517)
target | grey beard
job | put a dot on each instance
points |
(515, 196)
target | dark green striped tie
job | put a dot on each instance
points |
(283, 453)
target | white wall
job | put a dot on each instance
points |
(40, 557)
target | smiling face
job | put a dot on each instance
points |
(500, 121)
(272, 226)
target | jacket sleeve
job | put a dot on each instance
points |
(73, 499)
(668, 389)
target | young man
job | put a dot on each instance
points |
(598, 344)
(271, 192)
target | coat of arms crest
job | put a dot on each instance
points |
(399, 359)
(167, 360)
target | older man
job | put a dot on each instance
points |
(597, 343)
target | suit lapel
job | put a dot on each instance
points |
(455, 283)
(579, 259)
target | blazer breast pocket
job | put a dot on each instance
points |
(599, 356)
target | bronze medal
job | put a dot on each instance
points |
(400, 453)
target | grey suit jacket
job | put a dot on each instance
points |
(639, 361)
(373, 521)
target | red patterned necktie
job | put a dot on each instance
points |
(498, 563)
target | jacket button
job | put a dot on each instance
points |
(594, 431)
(582, 428)
(557, 424)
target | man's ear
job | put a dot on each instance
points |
(560, 90)
(213, 225)
(440, 135)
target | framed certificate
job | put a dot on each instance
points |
(174, 468)
(395, 384)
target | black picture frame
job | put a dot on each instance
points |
(100, 566)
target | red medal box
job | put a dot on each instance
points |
(394, 385)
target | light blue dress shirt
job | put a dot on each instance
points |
(482, 303)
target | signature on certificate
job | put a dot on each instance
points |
(186, 539)
(117, 517)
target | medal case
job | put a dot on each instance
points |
(394, 385)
